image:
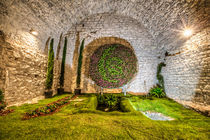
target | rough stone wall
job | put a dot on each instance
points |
(22, 62)
(56, 76)
(109, 25)
(68, 79)
(2, 64)
(187, 66)
(24, 75)
(186, 74)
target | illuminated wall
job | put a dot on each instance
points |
(151, 27)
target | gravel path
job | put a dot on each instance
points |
(157, 116)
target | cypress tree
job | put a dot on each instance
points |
(50, 66)
(63, 63)
(80, 64)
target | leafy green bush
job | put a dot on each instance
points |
(157, 91)
(50, 66)
(2, 103)
(109, 100)
(100, 99)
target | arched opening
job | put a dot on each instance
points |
(88, 84)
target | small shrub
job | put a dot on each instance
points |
(111, 101)
(108, 100)
(1, 96)
(100, 99)
(157, 91)
(2, 103)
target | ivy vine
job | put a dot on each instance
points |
(159, 76)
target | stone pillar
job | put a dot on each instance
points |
(56, 77)
(46, 46)
(2, 65)
(57, 68)
(75, 61)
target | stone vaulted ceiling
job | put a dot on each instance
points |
(159, 17)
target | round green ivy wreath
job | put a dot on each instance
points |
(112, 65)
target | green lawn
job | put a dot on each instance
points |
(79, 120)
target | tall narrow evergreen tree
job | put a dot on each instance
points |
(63, 63)
(80, 64)
(50, 66)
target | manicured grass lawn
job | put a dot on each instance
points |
(79, 120)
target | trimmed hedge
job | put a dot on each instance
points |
(93, 103)
(126, 106)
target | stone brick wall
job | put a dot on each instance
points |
(2, 64)
(186, 74)
(109, 28)
(24, 76)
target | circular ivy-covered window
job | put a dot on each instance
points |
(112, 65)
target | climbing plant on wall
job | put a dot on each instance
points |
(63, 63)
(79, 67)
(159, 76)
(50, 66)
(112, 65)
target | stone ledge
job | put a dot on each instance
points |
(32, 101)
(199, 107)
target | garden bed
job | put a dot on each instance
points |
(6, 112)
(50, 108)
(79, 120)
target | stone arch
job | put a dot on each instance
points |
(124, 27)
